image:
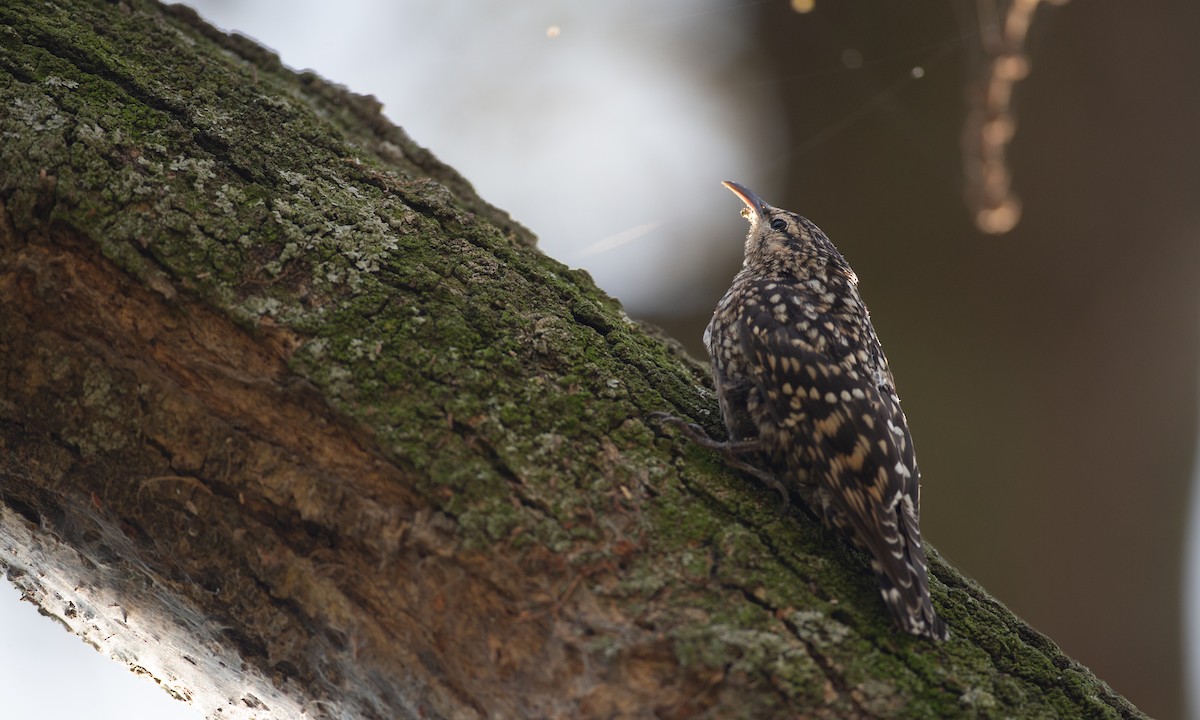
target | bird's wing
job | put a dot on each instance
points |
(842, 425)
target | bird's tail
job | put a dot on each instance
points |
(908, 602)
(904, 582)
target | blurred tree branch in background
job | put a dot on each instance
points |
(991, 122)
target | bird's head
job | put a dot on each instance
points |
(783, 242)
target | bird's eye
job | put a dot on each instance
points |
(779, 224)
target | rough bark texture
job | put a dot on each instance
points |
(291, 420)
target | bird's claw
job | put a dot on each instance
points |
(730, 450)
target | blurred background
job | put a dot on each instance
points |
(1050, 374)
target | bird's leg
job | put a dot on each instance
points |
(730, 450)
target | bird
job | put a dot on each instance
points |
(810, 405)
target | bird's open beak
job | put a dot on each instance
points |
(753, 202)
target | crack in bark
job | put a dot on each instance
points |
(826, 665)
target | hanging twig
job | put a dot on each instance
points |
(990, 121)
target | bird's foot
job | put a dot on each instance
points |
(730, 450)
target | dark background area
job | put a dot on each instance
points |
(1050, 374)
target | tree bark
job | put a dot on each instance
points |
(294, 422)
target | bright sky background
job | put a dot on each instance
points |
(606, 128)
